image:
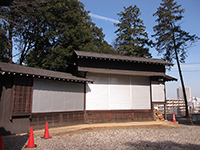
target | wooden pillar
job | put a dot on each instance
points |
(85, 113)
(165, 111)
(152, 105)
(109, 117)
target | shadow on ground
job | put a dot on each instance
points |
(147, 145)
(14, 142)
(4, 132)
(182, 120)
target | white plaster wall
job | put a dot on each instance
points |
(55, 96)
(158, 91)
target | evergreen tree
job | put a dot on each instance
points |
(67, 27)
(171, 40)
(4, 51)
(15, 17)
(7, 23)
(132, 39)
(46, 32)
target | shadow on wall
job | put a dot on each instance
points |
(144, 145)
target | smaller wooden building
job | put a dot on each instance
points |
(31, 96)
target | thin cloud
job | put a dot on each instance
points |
(191, 67)
(188, 67)
(103, 18)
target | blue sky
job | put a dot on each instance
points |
(104, 15)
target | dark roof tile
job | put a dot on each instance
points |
(119, 57)
(13, 68)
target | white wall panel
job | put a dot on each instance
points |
(158, 91)
(97, 97)
(140, 93)
(55, 96)
(117, 92)
(120, 92)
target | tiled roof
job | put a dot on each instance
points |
(35, 72)
(122, 58)
(128, 72)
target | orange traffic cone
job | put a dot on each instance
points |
(174, 119)
(31, 140)
(1, 143)
(46, 132)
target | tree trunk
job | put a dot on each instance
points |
(182, 83)
(181, 77)
(10, 42)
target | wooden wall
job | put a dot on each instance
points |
(56, 119)
(119, 65)
(12, 121)
(118, 115)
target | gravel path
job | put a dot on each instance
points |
(144, 137)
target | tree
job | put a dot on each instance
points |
(16, 19)
(44, 33)
(99, 42)
(7, 23)
(171, 40)
(4, 51)
(65, 27)
(131, 35)
(27, 27)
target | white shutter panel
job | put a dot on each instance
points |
(97, 93)
(158, 91)
(140, 93)
(120, 92)
(56, 96)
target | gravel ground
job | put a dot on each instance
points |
(143, 137)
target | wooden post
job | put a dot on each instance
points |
(60, 119)
(132, 116)
(109, 116)
(85, 113)
(152, 105)
(165, 111)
